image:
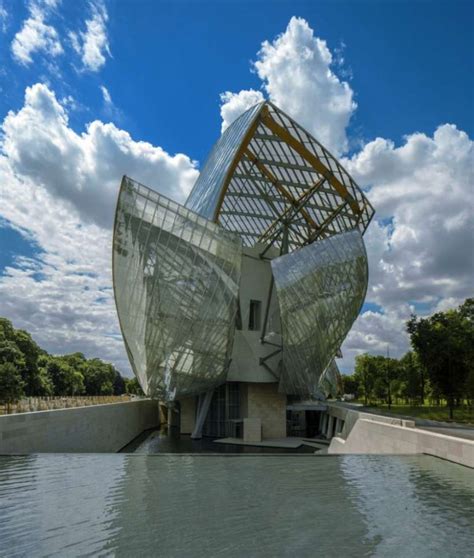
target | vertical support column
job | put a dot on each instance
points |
(329, 427)
(324, 423)
(203, 408)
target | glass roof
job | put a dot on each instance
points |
(266, 173)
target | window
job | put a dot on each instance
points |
(254, 315)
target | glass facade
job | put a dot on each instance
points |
(223, 418)
(330, 380)
(320, 291)
(176, 279)
(204, 197)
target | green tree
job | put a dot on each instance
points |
(444, 343)
(413, 375)
(119, 387)
(350, 385)
(31, 352)
(133, 387)
(365, 374)
(469, 388)
(11, 384)
(389, 371)
(65, 379)
(99, 377)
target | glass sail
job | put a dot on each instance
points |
(176, 279)
(320, 291)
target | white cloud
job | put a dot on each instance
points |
(421, 250)
(36, 35)
(377, 333)
(93, 44)
(234, 104)
(297, 75)
(85, 169)
(3, 18)
(106, 95)
(59, 189)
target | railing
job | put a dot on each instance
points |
(31, 404)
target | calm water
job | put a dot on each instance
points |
(261, 505)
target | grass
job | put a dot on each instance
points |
(464, 415)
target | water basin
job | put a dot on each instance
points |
(205, 505)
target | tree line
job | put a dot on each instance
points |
(439, 367)
(27, 370)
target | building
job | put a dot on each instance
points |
(236, 304)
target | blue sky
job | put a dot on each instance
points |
(411, 62)
(157, 70)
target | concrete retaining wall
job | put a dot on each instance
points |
(98, 428)
(377, 437)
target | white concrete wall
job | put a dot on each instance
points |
(376, 437)
(247, 349)
(98, 428)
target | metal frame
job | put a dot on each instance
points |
(278, 172)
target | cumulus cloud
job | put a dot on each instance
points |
(64, 294)
(85, 169)
(422, 190)
(58, 189)
(234, 104)
(421, 253)
(296, 70)
(36, 35)
(93, 44)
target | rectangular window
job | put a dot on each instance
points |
(254, 315)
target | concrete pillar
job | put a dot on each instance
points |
(324, 423)
(338, 426)
(173, 416)
(187, 414)
(329, 428)
(252, 430)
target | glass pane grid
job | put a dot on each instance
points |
(176, 279)
(320, 291)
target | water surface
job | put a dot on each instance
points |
(246, 505)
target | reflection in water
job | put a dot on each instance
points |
(170, 440)
(201, 505)
(413, 506)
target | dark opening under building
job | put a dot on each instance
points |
(236, 304)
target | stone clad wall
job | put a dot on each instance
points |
(372, 436)
(264, 402)
(99, 428)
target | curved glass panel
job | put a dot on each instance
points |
(176, 278)
(205, 195)
(320, 291)
(330, 379)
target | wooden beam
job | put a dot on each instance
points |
(281, 189)
(311, 158)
